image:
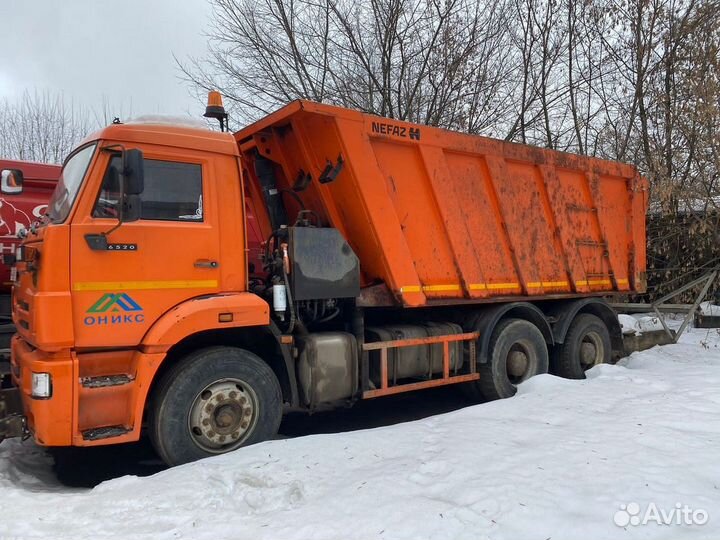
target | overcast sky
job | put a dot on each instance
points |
(95, 50)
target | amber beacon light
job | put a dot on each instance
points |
(215, 109)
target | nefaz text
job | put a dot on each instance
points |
(398, 131)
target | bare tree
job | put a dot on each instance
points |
(45, 126)
(40, 127)
(438, 62)
(683, 113)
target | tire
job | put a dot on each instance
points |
(505, 368)
(587, 344)
(213, 401)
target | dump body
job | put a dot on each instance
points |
(439, 216)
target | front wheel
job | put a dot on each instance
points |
(213, 401)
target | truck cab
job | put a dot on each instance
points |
(100, 300)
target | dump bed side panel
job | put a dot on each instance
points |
(440, 215)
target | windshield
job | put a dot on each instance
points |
(69, 184)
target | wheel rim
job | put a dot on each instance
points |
(223, 415)
(518, 363)
(591, 350)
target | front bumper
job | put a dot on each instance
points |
(49, 419)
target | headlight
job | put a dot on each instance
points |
(41, 385)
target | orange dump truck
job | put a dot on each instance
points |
(398, 257)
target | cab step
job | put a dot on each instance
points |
(106, 432)
(104, 381)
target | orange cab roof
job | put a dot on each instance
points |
(168, 135)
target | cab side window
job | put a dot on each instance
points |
(173, 191)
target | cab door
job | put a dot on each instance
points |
(170, 255)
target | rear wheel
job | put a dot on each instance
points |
(587, 344)
(214, 401)
(517, 352)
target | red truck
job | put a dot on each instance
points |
(20, 206)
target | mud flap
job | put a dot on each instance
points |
(12, 420)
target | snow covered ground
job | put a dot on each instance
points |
(556, 461)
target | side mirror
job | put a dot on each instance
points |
(133, 172)
(11, 182)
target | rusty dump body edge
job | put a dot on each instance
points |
(440, 216)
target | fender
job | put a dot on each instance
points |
(565, 312)
(202, 313)
(484, 322)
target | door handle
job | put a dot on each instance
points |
(206, 263)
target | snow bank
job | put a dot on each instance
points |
(709, 309)
(556, 461)
(628, 323)
(639, 323)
